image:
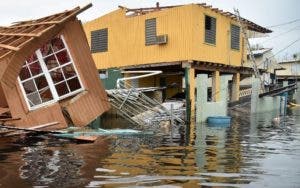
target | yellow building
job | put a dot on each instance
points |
(179, 40)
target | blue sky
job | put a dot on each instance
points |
(263, 12)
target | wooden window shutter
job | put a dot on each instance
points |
(235, 37)
(150, 31)
(210, 30)
(99, 40)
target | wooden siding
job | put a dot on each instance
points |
(88, 106)
(82, 108)
(185, 28)
(44, 115)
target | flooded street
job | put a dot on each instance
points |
(250, 153)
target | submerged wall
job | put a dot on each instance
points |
(205, 108)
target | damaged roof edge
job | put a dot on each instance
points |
(250, 25)
(33, 28)
(23, 43)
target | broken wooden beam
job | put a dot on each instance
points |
(33, 129)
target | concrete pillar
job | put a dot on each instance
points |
(202, 80)
(235, 88)
(255, 94)
(216, 86)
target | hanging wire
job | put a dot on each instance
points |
(280, 51)
(283, 33)
(285, 23)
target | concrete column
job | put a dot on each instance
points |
(216, 86)
(255, 94)
(235, 88)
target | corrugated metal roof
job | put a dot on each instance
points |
(250, 25)
(261, 51)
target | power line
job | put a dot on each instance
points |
(286, 23)
(295, 28)
(285, 47)
(279, 51)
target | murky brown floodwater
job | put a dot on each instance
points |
(249, 153)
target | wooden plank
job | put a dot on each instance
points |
(20, 34)
(28, 48)
(44, 125)
(9, 119)
(3, 110)
(9, 47)
(36, 24)
(32, 129)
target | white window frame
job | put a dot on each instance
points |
(51, 85)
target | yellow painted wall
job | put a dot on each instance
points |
(154, 81)
(185, 29)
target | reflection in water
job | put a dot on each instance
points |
(50, 166)
(251, 152)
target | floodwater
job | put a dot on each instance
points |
(251, 152)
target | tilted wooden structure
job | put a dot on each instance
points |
(47, 73)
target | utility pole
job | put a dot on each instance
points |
(252, 58)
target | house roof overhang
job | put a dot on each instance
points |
(247, 23)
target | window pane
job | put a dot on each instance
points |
(29, 86)
(74, 84)
(51, 62)
(57, 44)
(41, 82)
(63, 57)
(46, 95)
(32, 58)
(34, 99)
(46, 50)
(57, 75)
(69, 71)
(62, 89)
(24, 74)
(35, 68)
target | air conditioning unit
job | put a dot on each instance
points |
(162, 39)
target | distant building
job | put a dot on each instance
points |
(266, 62)
(291, 72)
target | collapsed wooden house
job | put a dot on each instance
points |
(47, 73)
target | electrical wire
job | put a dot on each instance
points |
(285, 47)
(280, 51)
(286, 23)
(279, 35)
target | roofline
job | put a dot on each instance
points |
(250, 25)
(290, 61)
(31, 40)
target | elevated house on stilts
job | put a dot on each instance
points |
(47, 73)
(182, 41)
